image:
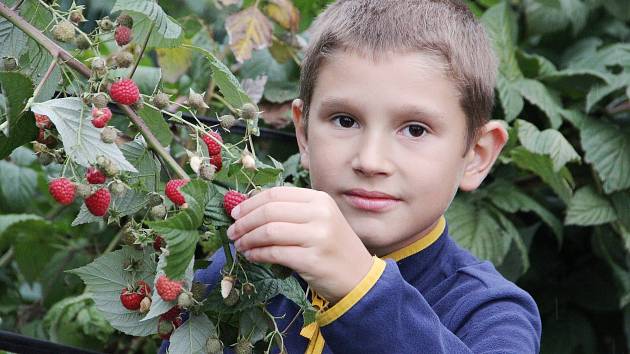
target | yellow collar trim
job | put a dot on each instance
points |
(426, 241)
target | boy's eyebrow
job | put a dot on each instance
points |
(407, 111)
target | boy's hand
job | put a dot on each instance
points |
(304, 230)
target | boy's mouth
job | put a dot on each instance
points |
(370, 200)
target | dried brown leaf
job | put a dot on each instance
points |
(248, 30)
(283, 12)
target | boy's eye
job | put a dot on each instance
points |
(416, 130)
(344, 121)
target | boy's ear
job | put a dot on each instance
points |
(483, 154)
(300, 131)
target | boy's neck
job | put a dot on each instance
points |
(417, 243)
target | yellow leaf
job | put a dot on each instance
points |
(283, 12)
(248, 30)
(174, 62)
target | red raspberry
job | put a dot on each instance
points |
(173, 193)
(122, 35)
(172, 314)
(168, 289)
(232, 199)
(100, 116)
(125, 92)
(63, 190)
(217, 162)
(131, 299)
(157, 244)
(98, 202)
(42, 121)
(95, 176)
(213, 147)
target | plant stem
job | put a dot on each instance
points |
(144, 46)
(6, 258)
(58, 52)
(52, 66)
(17, 5)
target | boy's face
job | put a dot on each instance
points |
(394, 127)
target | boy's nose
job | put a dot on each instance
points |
(372, 156)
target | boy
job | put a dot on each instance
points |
(392, 119)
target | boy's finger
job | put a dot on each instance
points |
(290, 212)
(289, 256)
(271, 234)
(276, 194)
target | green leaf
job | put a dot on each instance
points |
(214, 209)
(148, 166)
(538, 94)
(475, 227)
(548, 142)
(8, 220)
(17, 89)
(81, 140)
(598, 92)
(18, 186)
(500, 22)
(618, 8)
(105, 279)
(534, 65)
(621, 202)
(180, 231)
(555, 15)
(148, 16)
(146, 77)
(225, 80)
(511, 199)
(511, 99)
(281, 91)
(85, 217)
(12, 38)
(191, 337)
(291, 289)
(589, 208)
(34, 246)
(607, 149)
(158, 305)
(78, 310)
(156, 123)
(254, 322)
(561, 182)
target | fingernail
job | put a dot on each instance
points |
(230, 232)
(237, 244)
(246, 254)
(235, 212)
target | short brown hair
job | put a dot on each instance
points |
(442, 28)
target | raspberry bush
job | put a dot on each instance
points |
(127, 136)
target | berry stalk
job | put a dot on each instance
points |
(56, 51)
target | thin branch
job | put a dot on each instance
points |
(52, 66)
(144, 46)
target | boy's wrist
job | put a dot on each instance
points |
(353, 277)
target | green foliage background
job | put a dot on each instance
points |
(554, 215)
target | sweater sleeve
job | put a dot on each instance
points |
(384, 313)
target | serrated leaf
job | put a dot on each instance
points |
(12, 38)
(500, 22)
(534, 65)
(621, 202)
(8, 220)
(538, 94)
(589, 208)
(227, 82)
(17, 89)
(548, 142)
(105, 279)
(247, 30)
(148, 166)
(291, 289)
(85, 217)
(156, 123)
(475, 228)
(254, 323)
(81, 140)
(148, 16)
(34, 247)
(511, 99)
(180, 231)
(78, 310)
(607, 149)
(191, 337)
(283, 12)
(561, 182)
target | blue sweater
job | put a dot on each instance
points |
(429, 297)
